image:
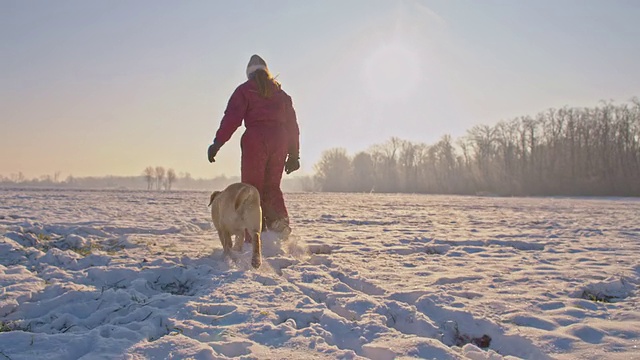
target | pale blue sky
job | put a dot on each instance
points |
(92, 88)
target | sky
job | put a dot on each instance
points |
(95, 88)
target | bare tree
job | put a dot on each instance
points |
(333, 171)
(149, 176)
(363, 173)
(171, 178)
(160, 173)
(386, 158)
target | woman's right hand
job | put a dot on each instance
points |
(212, 152)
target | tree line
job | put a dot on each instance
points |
(152, 178)
(147, 180)
(570, 151)
(159, 178)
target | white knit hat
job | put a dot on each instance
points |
(255, 63)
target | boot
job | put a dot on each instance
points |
(281, 226)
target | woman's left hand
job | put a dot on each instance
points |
(292, 164)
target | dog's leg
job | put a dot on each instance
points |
(237, 246)
(225, 239)
(256, 260)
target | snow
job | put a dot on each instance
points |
(140, 275)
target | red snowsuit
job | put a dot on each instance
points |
(271, 133)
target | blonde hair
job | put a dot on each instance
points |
(266, 82)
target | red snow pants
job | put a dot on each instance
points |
(264, 152)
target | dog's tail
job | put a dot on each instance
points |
(243, 196)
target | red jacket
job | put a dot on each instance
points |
(246, 103)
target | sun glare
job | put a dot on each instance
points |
(392, 72)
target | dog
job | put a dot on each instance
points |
(234, 211)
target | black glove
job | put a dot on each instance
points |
(212, 152)
(292, 164)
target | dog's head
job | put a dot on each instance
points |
(213, 196)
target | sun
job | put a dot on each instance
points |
(392, 72)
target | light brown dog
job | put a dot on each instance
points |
(235, 210)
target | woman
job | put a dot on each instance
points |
(270, 143)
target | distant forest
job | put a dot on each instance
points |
(147, 181)
(152, 179)
(569, 151)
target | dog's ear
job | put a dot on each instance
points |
(213, 196)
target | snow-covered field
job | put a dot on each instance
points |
(140, 275)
